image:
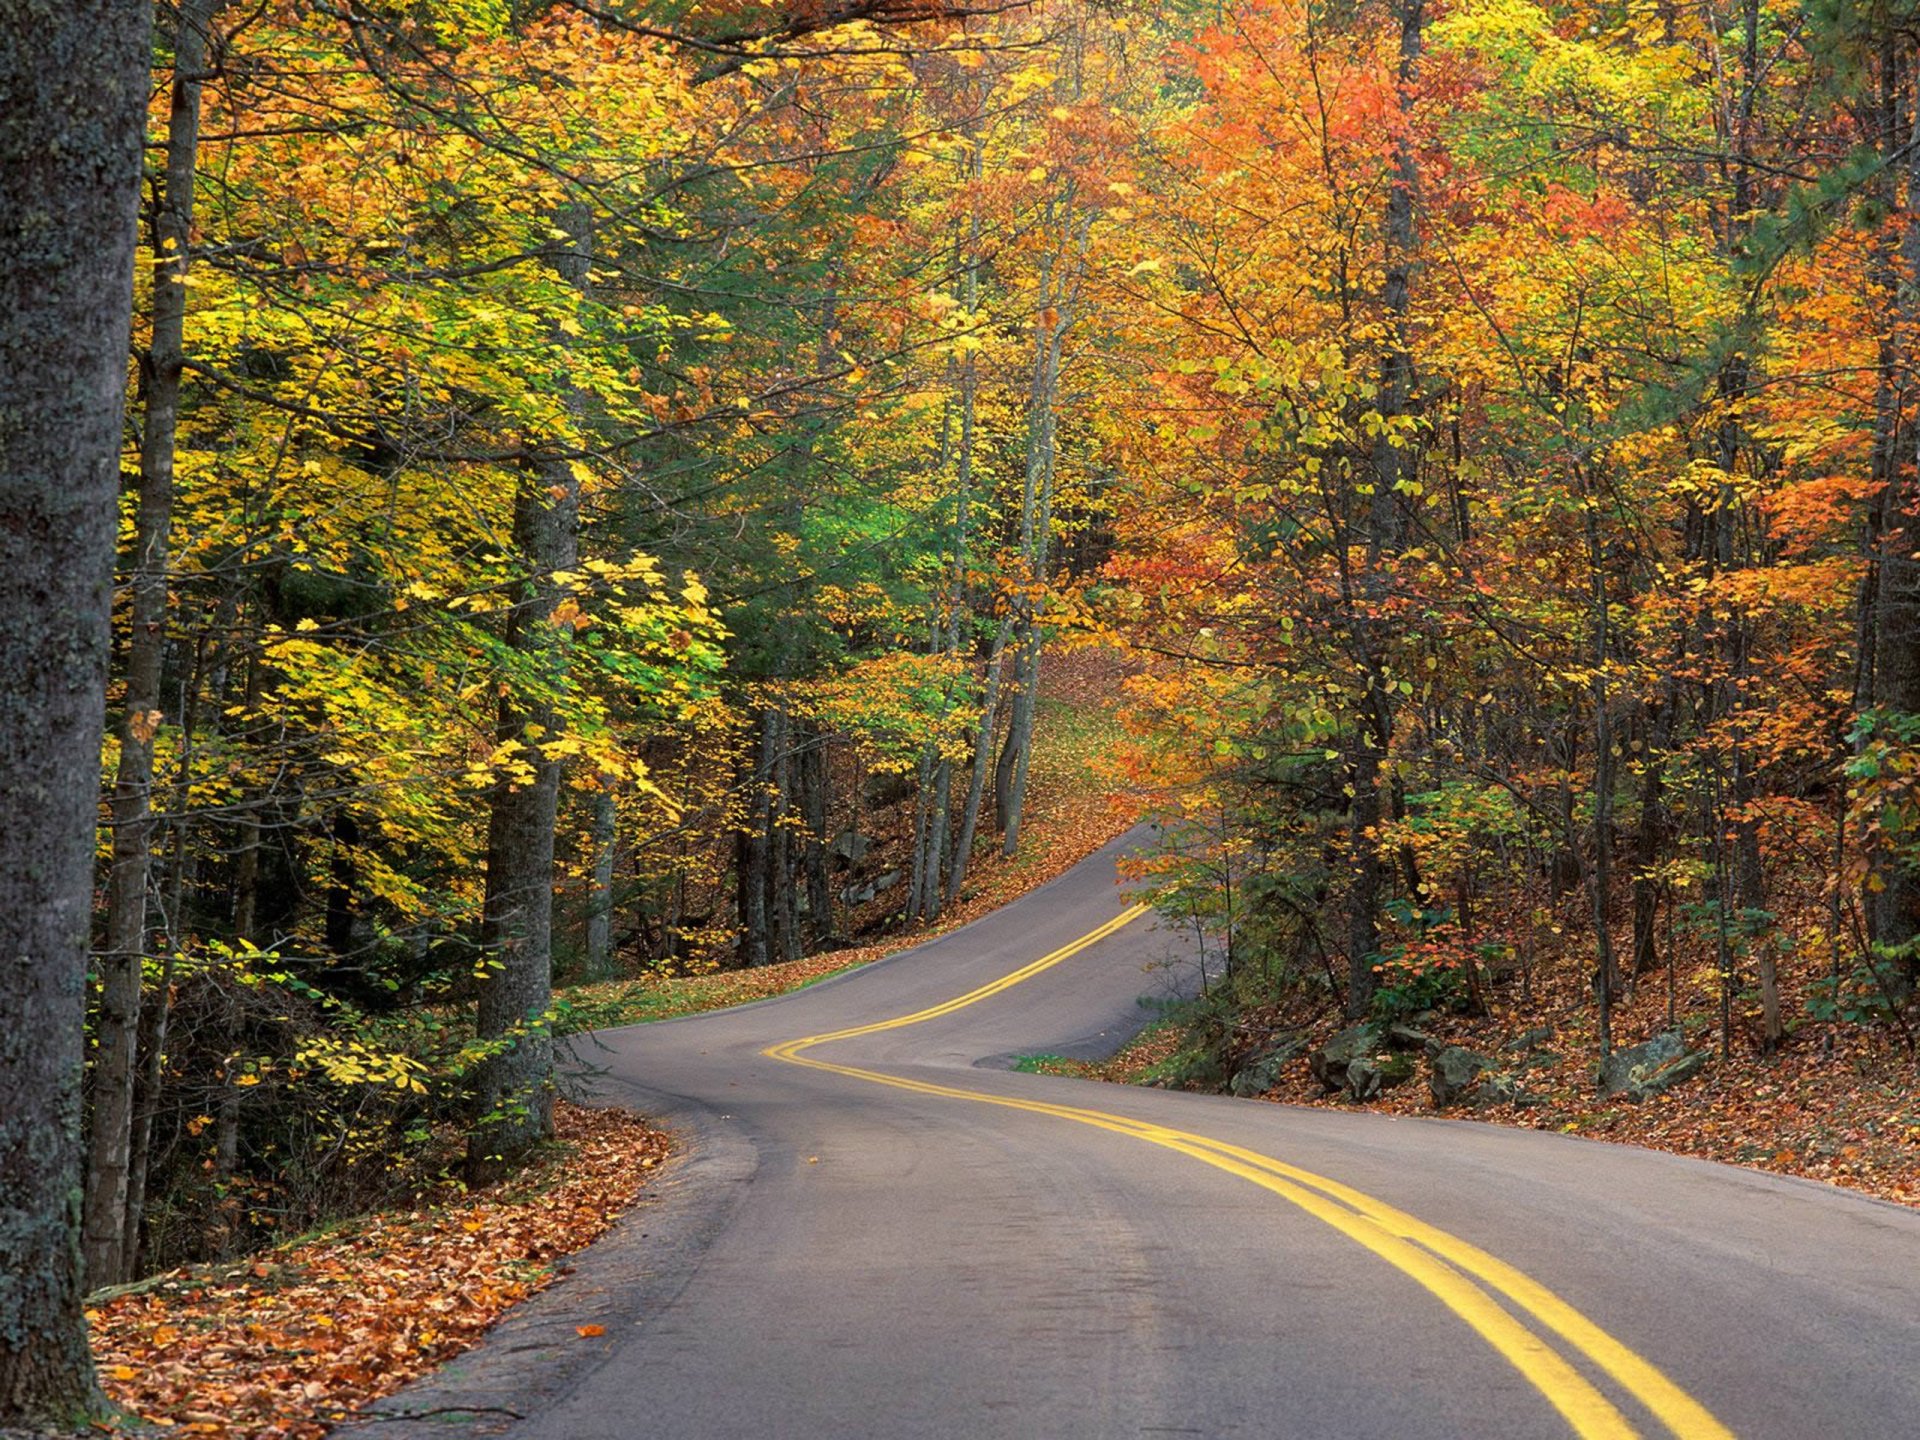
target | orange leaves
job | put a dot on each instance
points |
(283, 1348)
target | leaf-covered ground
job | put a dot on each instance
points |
(1838, 1103)
(280, 1346)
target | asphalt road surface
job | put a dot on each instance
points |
(891, 1234)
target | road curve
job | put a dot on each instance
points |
(889, 1234)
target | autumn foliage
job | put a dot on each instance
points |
(607, 492)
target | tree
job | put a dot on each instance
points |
(74, 74)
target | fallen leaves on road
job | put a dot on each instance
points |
(287, 1342)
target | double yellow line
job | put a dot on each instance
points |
(1464, 1278)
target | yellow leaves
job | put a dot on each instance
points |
(349, 1061)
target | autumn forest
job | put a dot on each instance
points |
(609, 491)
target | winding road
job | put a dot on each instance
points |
(883, 1231)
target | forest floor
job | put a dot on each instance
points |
(286, 1342)
(1837, 1103)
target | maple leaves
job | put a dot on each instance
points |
(289, 1343)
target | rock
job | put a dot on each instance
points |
(1363, 1078)
(1500, 1089)
(1368, 1075)
(1531, 1039)
(1643, 1070)
(887, 787)
(850, 847)
(1395, 1069)
(861, 894)
(1455, 1068)
(1408, 1037)
(1261, 1073)
(1330, 1061)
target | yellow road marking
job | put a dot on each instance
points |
(1440, 1262)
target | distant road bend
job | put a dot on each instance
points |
(916, 1241)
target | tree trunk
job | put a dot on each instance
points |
(1015, 758)
(514, 1087)
(75, 80)
(605, 835)
(1385, 533)
(117, 1022)
(783, 905)
(753, 854)
(813, 801)
(982, 756)
(1368, 867)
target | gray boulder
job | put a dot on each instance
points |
(850, 847)
(1500, 1089)
(1409, 1037)
(1364, 1078)
(1643, 1070)
(1453, 1071)
(1329, 1062)
(1261, 1073)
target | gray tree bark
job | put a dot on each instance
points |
(982, 759)
(514, 1087)
(605, 836)
(1893, 910)
(74, 74)
(117, 1023)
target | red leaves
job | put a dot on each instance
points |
(281, 1348)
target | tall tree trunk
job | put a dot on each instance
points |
(515, 1101)
(514, 1086)
(117, 1023)
(1017, 755)
(752, 860)
(814, 796)
(783, 904)
(1036, 526)
(1600, 873)
(1369, 872)
(75, 79)
(939, 829)
(1385, 527)
(605, 838)
(1651, 837)
(982, 759)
